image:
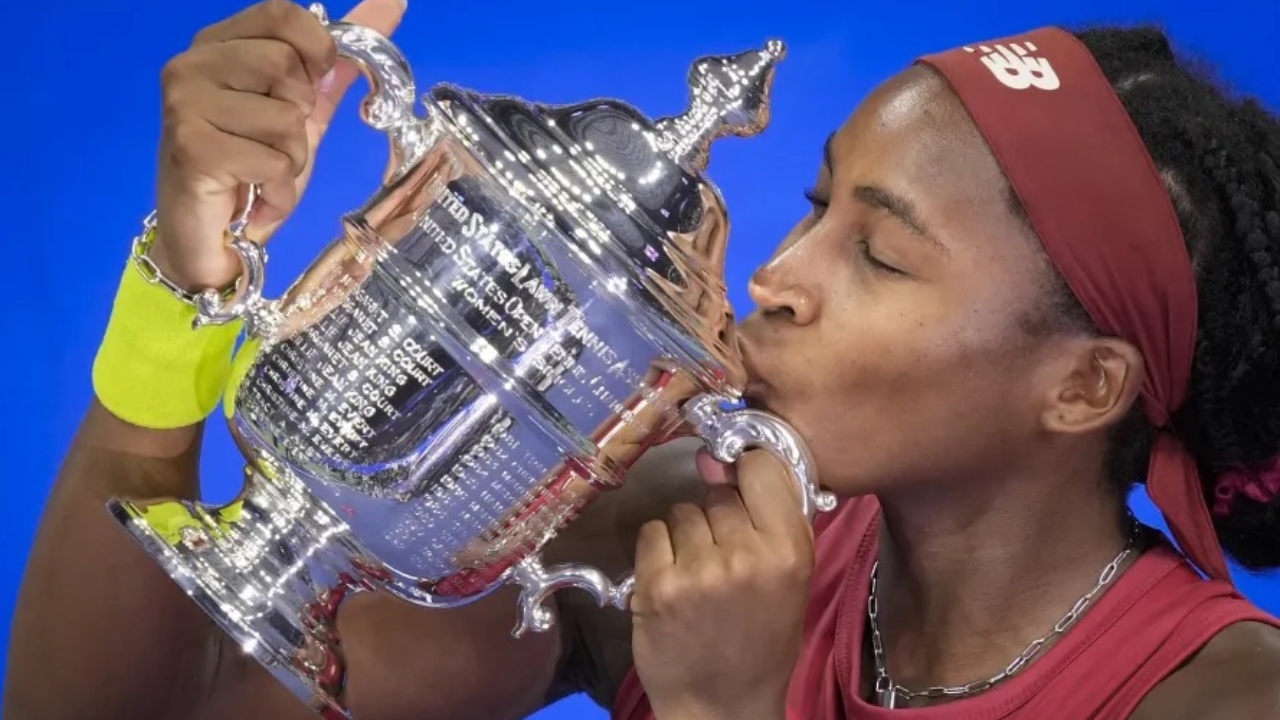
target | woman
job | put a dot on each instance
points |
(1035, 271)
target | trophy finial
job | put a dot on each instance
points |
(729, 95)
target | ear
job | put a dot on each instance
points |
(1095, 386)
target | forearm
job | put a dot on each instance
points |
(99, 630)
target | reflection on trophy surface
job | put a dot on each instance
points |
(533, 298)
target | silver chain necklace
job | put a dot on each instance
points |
(888, 692)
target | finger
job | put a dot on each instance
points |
(381, 16)
(727, 517)
(256, 66)
(653, 550)
(276, 199)
(269, 67)
(199, 146)
(200, 150)
(770, 494)
(279, 20)
(277, 124)
(691, 535)
(712, 471)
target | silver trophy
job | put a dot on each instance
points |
(533, 298)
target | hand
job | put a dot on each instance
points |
(720, 596)
(247, 103)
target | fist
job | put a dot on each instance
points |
(720, 597)
(247, 104)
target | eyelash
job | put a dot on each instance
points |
(864, 246)
(811, 196)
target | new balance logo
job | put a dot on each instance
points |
(1015, 68)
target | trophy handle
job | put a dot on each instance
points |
(727, 433)
(388, 107)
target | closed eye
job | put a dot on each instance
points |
(864, 250)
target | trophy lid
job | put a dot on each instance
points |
(629, 190)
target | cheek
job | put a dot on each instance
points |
(907, 382)
(918, 337)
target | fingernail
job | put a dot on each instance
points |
(326, 82)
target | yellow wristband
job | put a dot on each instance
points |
(153, 370)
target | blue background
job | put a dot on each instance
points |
(80, 125)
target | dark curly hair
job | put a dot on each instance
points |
(1218, 156)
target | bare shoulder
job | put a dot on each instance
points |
(1235, 677)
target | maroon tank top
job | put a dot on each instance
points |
(1157, 615)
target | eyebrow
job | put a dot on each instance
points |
(902, 209)
(899, 207)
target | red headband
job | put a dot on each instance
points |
(1096, 200)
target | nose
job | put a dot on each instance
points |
(784, 288)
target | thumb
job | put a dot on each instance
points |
(380, 16)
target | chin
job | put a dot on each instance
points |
(759, 397)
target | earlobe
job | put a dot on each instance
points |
(1103, 381)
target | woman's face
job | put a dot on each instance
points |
(891, 327)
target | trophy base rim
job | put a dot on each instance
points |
(246, 634)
